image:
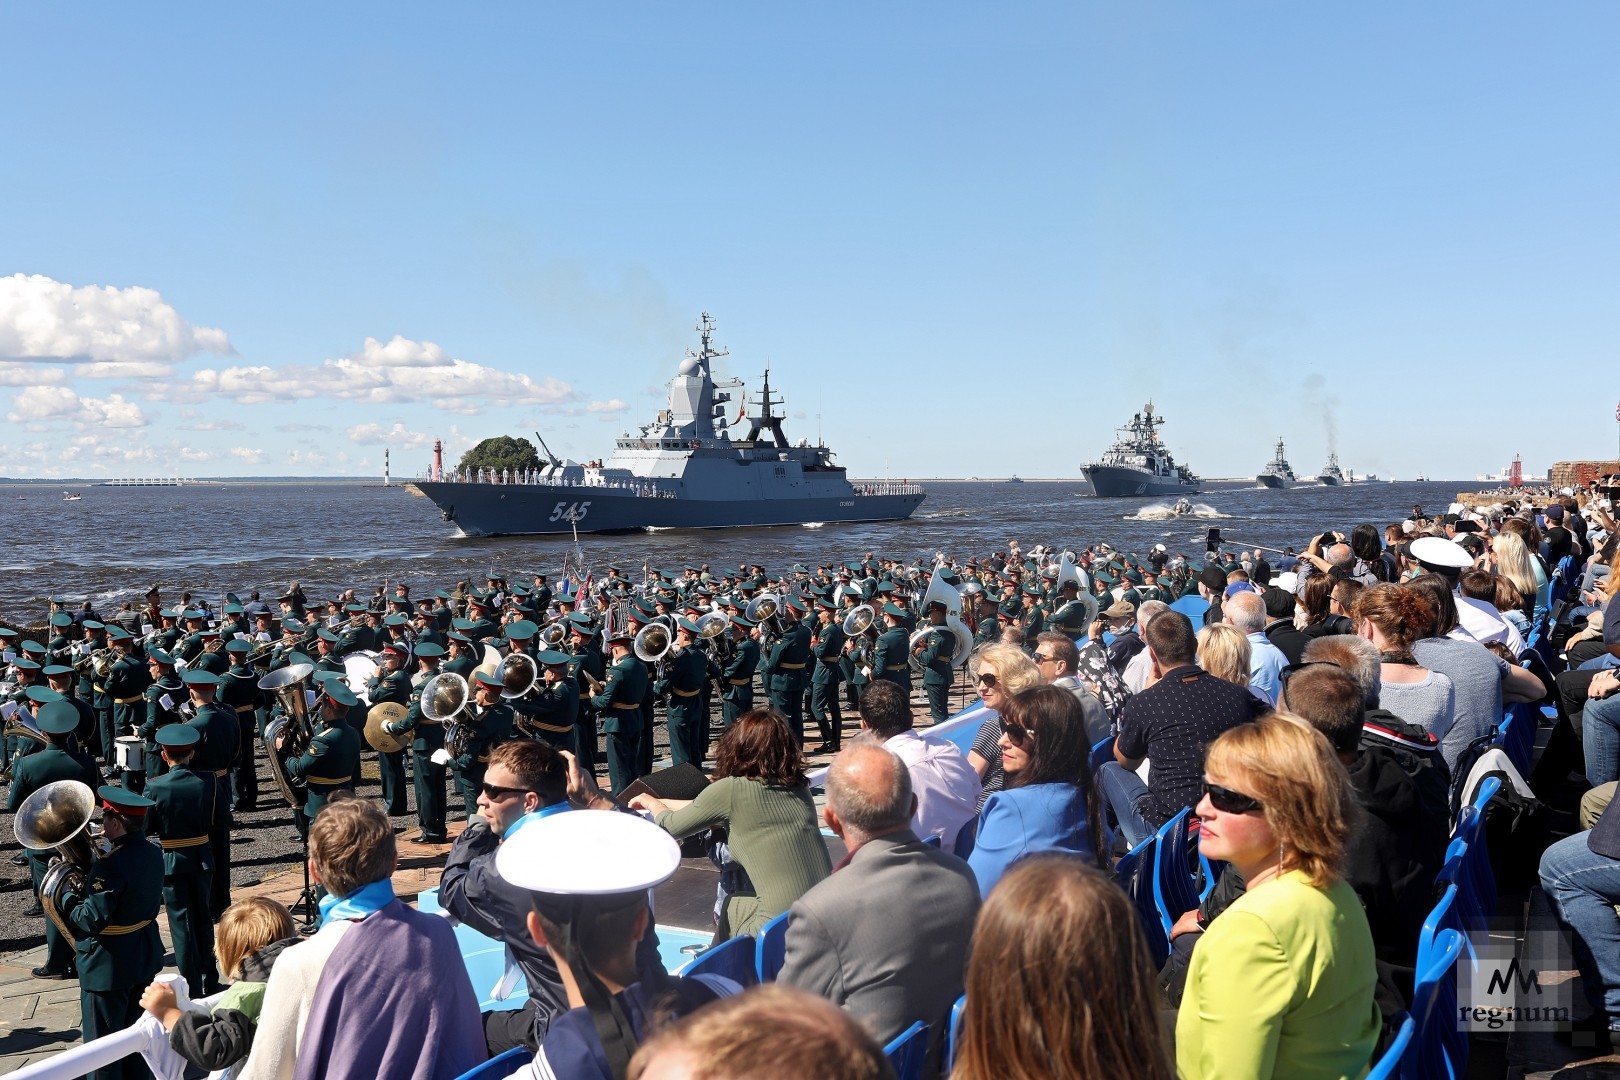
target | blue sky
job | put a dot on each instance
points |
(973, 239)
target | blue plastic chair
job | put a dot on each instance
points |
(931, 840)
(500, 1065)
(958, 1013)
(1134, 873)
(1439, 1049)
(734, 959)
(1102, 752)
(1516, 737)
(908, 1052)
(1445, 915)
(1195, 607)
(1174, 891)
(1390, 1065)
(771, 949)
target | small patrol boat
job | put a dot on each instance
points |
(1331, 475)
(1277, 473)
(68, 496)
(1139, 464)
(687, 469)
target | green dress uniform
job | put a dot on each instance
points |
(1033, 620)
(1069, 620)
(550, 713)
(684, 676)
(427, 776)
(890, 660)
(738, 675)
(157, 715)
(189, 648)
(119, 949)
(33, 772)
(481, 629)
(786, 676)
(330, 763)
(191, 807)
(391, 766)
(217, 750)
(937, 649)
(479, 736)
(126, 686)
(239, 691)
(619, 704)
(589, 659)
(829, 653)
(214, 661)
(462, 665)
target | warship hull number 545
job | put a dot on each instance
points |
(685, 470)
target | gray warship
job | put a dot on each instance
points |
(1331, 475)
(1139, 464)
(687, 469)
(1277, 473)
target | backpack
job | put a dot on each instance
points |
(1516, 829)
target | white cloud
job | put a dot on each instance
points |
(306, 457)
(250, 454)
(192, 454)
(609, 408)
(13, 373)
(111, 332)
(392, 373)
(36, 404)
(398, 435)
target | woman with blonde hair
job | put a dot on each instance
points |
(1001, 672)
(1060, 982)
(1224, 651)
(1282, 982)
(1514, 564)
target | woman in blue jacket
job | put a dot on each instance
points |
(1049, 803)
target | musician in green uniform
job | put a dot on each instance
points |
(425, 626)
(550, 712)
(737, 674)
(326, 655)
(188, 806)
(239, 692)
(63, 680)
(164, 696)
(889, 657)
(827, 646)
(114, 919)
(619, 704)
(213, 657)
(93, 690)
(1031, 619)
(190, 645)
(391, 683)
(126, 684)
(986, 628)
(57, 721)
(331, 761)
(428, 775)
(785, 668)
(686, 668)
(483, 626)
(1070, 618)
(458, 654)
(64, 640)
(934, 653)
(26, 670)
(217, 748)
(474, 735)
(587, 667)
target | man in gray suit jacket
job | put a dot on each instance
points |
(886, 936)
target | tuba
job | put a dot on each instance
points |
(554, 634)
(1067, 571)
(859, 620)
(288, 684)
(517, 675)
(762, 610)
(951, 597)
(57, 816)
(445, 697)
(653, 642)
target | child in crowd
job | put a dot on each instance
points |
(249, 937)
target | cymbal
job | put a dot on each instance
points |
(389, 712)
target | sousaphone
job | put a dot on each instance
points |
(1068, 571)
(288, 684)
(443, 697)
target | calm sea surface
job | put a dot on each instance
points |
(114, 543)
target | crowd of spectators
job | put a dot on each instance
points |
(1316, 720)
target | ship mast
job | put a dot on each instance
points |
(766, 418)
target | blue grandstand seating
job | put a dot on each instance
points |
(1396, 1060)
(958, 1015)
(1439, 1049)
(734, 959)
(771, 949)
(908, 1052)
(1134, 872)
(1174, 891)
(500, 1065)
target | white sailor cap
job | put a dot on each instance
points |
(588, 853)
(1440, 552)
(1287, 581)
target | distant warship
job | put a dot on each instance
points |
(1331, 475)
(685, 470)
(1277, 473)
(1139, 464)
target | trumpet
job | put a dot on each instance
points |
(98, 663)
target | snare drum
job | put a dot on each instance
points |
(128, 753)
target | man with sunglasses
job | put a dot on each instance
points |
(1058, 662)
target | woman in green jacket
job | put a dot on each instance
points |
(1282, 982)
(761, 796)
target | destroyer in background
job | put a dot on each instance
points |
(1139, 464)
(1277, 473)
(1331, 475)
(685, 470)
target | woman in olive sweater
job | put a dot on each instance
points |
(761, 796)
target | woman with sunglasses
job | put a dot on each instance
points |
(761, 795)
(1049, 803)
(1001, 671)
(1282, 982)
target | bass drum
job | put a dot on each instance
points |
(358, 669)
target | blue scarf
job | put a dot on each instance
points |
(533, 816)
(364, 901)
